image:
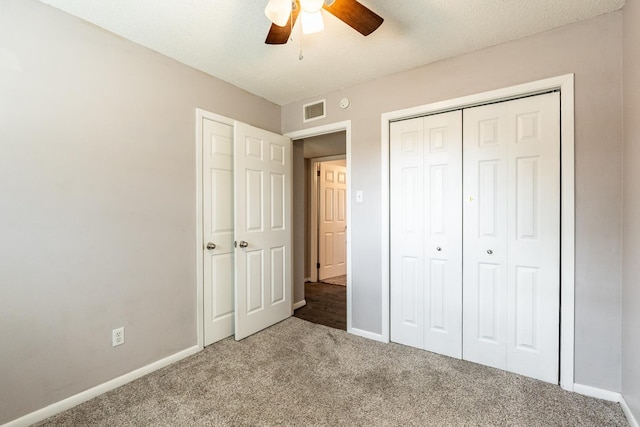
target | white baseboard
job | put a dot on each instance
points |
(598, 393)
(297, 305)
(366, 334)
(627, 412)
(70, 402)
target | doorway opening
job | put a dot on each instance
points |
(324, 245)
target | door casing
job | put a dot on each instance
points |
(565, 84)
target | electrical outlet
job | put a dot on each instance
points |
(117, 336)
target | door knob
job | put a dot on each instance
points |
(243, 244)
(438, 249)
(489, 251)
(211, 246)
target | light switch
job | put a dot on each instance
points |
(359, 196)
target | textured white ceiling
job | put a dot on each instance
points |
(225, 38)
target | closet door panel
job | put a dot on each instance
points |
(407, 232)
(511, 235)
(485, 235)
(533, 236)
(426, 250)
(443, 233)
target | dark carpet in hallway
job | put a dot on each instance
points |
(326, 305)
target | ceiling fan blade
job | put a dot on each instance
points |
(280, 35)
(354, 14)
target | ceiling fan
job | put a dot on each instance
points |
(284, 13)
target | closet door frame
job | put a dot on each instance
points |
(565, 84)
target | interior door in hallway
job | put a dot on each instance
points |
(426, 233)
(332, 220)
(511, 235)
(263, 268)
(218, 252)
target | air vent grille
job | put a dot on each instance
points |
(314, 111)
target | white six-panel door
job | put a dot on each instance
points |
(263, 266)
(332, 220)
(426, 236)
(217, 147)
(511, 235)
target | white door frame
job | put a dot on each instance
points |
(565, 84)
(313, 213)
(323, 130)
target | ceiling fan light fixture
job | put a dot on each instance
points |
(311, 6)
(351, 12)
(311, 22)
(278, 11)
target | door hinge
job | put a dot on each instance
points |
(318, 173)
(318, 265)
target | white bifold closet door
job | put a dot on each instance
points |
(511, 235)
(426, 234)
(475, 234)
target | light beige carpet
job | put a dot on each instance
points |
(298, 374)
(337, 280)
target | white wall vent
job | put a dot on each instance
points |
(314, 111)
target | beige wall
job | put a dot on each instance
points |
(97, 202)
(631, 248)
(590, 49)
(331, 144)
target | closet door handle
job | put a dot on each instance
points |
(211, 246)
(489, 251)
(243, 244)
(438, 249)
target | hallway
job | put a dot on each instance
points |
(326, 305)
